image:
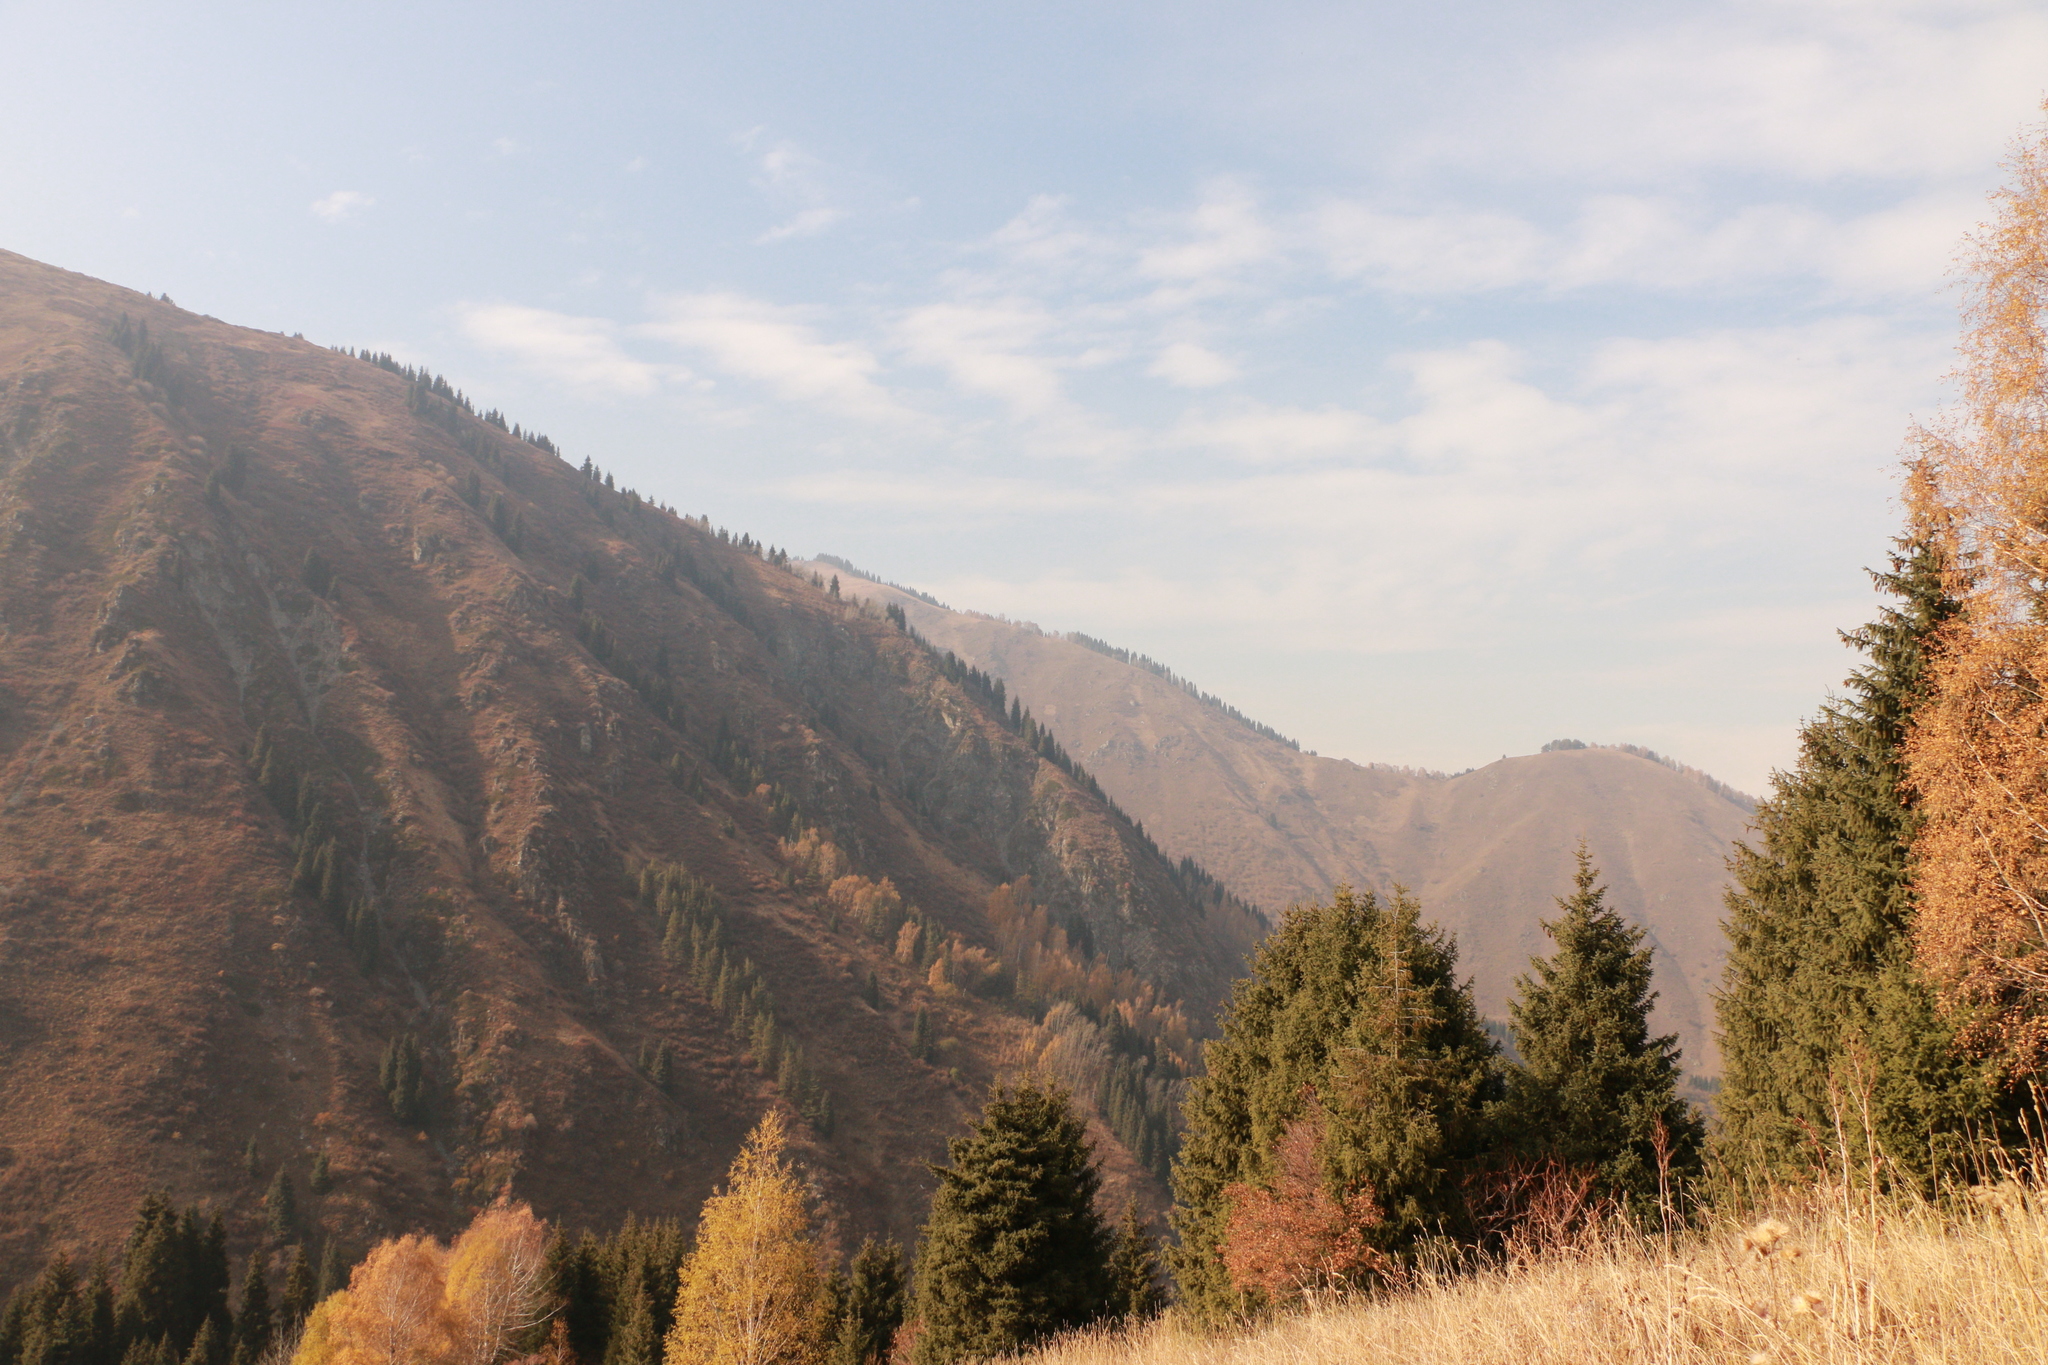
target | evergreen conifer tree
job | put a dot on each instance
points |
(1822, 1010)
(333, 1273)
(281, 1204)
(253, 1322)
(578, 1278)
(14, 1323)
(1014, 1249)
(208, 1347)
(105, 1320)
(298, 1296)
(210, 1278)
(320, 1180)
(633, 1340)
(1594, 1090)
(1135, 1291)
(1356, 1005)
(922, 1045)
(871, 1303)
(156, 1275)
(402, 1073)
(52, 1322)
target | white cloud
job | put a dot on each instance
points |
(949, 494)
(809, 223)
(1192, 366)
(341, 204)
(1813, 90)
(1655, 243)
(795, 181)
(784, 164)
(583, 353)
(1224, 234)
(985, 348)
(779, 348)
(1449, 252)
(1264, 434)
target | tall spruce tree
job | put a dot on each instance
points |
(1014, 1249)
(870, 1305)
(1823, 1014)
(633, 1339)
(157, 1276)
(253, 1323)
(298, 1296)
(53, 1320)
(575, 1271)
(1355, 1004)
(1134, 1269)
(333, 1272)
(1594, 1090)
(281, 1204)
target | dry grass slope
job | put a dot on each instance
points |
(1819, 1281)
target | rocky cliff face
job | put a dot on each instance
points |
(337, 719)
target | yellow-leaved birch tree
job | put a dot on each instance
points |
(751, 1291)
(415, 1302)
(496, 1288)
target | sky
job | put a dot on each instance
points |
(1429, 382)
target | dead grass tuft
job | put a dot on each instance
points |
(1813, 1280)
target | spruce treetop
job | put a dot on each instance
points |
(1594, 1090)
(1015, 1248)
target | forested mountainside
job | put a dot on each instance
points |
(1485, 851)
(379, 786)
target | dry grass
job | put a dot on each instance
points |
(1812, 1280)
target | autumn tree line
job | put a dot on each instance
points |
(1354, 1117)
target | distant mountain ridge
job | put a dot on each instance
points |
(1210, 700)
(1486, 849)
(1704, 778)
(376, 783)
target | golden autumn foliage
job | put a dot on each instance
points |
(415, 1302)
(1977, 759)
(1047, 967)
(814, 857)
(496, 1287)
(752, 1290)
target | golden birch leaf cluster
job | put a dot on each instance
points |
(415, 1302)
(752, 1292)
(1977, 759)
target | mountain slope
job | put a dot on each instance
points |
(1486, 851)
(333, 715)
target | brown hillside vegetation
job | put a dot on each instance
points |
(1485, 851)
(341, 726)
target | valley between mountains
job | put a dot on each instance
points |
(1486, 851)
(380, 788)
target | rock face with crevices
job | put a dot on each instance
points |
(332, 712)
